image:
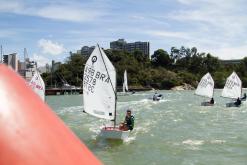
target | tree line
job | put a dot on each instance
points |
(163, 70)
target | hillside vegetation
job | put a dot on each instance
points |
(163, 71)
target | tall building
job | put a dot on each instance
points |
(45, 69)
(235, 61)
(55, 65)
(118, 45)
(86, 50)
(11, 60)
(27, 68)
(121, 44)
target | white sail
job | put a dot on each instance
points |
(38, 85)
(125, 83)
(123, 88)
(206, 86)
(233, 87)
(99, 85)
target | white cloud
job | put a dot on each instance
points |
(13, 6)
(40, 59)
(6, 33)
(238, 52)
(186, 2)
(75, 12)
(51, 47)
(68, 13)
(171, 34)
(219, 27)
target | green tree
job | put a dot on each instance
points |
(161, 58)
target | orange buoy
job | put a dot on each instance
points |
(30, 132)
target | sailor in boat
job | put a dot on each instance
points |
(157, 97)
(211, 101)
(244, 97)
(238, 102)
(128, 123)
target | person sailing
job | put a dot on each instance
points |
(244, 97)
(211, 101)
(238, 102)
(128, 123)
(155, 96)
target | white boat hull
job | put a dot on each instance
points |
(114, 133)
(206, 104)
(232, 105)
(159, 98)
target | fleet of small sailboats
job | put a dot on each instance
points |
(38, 85)
(100, 94)
(206, 89)
(232, 89)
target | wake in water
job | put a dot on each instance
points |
(73, 109)
(140, 104)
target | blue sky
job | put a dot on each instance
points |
(49, 29)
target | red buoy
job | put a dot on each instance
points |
(30, 132)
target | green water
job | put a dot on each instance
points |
(176, 130)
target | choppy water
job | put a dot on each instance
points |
(174, 131)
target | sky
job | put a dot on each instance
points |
(50, 29)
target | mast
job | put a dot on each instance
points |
(115, 111)
(115, 91)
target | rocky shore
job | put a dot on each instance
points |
(183, 87)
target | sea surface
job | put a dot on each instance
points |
(173, 131)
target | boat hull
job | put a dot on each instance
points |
(114, 133)
(206, 104)
(232, 105)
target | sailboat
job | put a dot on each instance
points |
(206, 88)
(125, 85)
(232, 89)
(99, 92)
(38, 85)
(125, 82)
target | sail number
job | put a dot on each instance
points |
(90, 78)
(37, 86)
(230, 84)
(204, 83)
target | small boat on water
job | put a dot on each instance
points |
(38, 85)
(125, 82)
(100, 94)
(206, 89)
(233, 90)
(157, 97)
(125, 85)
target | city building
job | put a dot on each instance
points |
(11, 60)
(86, 50)
(118, 45)
(121, 44)
(227, 62)
(45, 69)
(27, 68)
(55, 65)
